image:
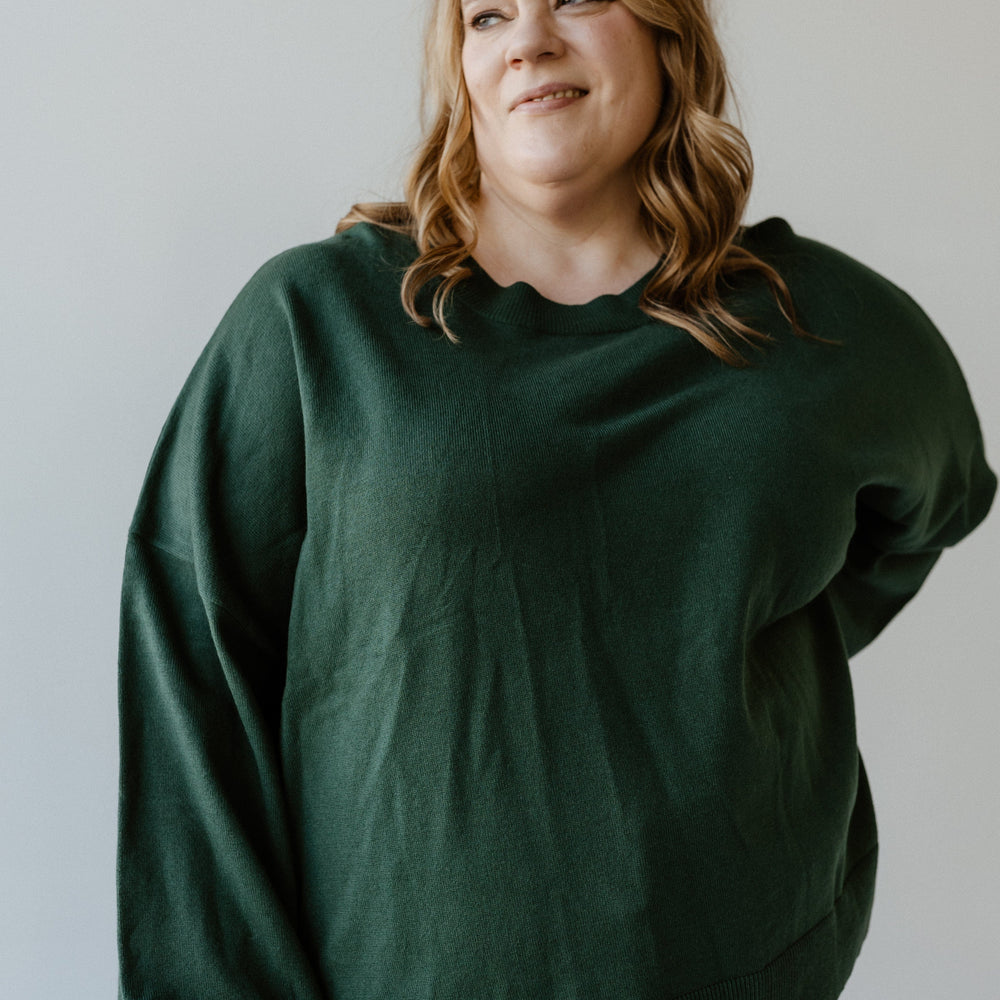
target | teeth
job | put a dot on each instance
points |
(557, 95)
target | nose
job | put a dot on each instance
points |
(534, 37)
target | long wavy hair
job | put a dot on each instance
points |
(693, 175)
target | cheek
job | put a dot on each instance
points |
(478, 84)
(481, 117)
(639, 97)
(468, 78)
(647, 81)
(638, 53)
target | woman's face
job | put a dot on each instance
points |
(561, 90)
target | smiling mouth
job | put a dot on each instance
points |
(558, 93)
(556, 96)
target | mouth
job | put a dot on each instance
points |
(549, 94)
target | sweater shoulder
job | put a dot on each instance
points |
(888, 373)
(802, 259)
(826, 275)
(842, 299)
(361, 252)
(324, 280)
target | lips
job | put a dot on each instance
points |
(549, 92)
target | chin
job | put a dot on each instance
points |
(546, 171)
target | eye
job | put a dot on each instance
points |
(489, 18)
(485, 20)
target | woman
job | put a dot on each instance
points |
(508, 658)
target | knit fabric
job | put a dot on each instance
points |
(518, 669)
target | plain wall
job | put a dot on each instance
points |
(154, 155)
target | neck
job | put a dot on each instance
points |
(570, 246)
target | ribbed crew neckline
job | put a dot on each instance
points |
(522, 307)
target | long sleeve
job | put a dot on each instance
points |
(924, 483)
(206, 869)
(895, 546)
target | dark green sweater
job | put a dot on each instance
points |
(517, 670)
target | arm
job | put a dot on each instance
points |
(893, 549)
(926, 485)
(207, 881)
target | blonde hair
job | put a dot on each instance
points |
(693, 175)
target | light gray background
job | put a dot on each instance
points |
(155, 154)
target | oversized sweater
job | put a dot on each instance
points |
(518, 669)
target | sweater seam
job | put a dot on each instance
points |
(209, 596)
(189, 557)
(162, 546)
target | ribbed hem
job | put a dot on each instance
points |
(818, 965)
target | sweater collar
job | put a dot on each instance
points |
(522, 308)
